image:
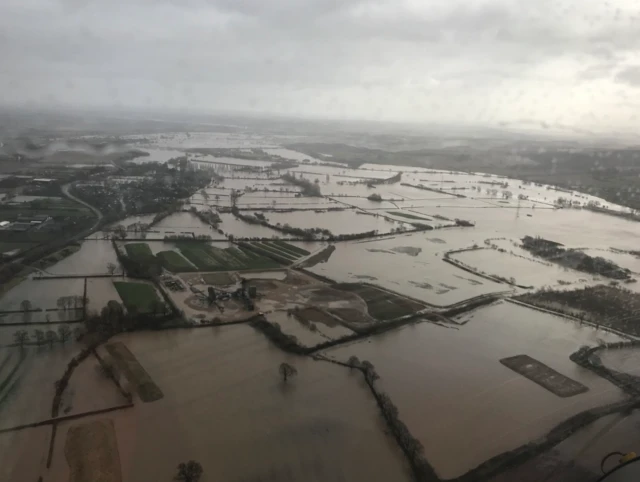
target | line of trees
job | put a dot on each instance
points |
(40, 337)
(308, 188)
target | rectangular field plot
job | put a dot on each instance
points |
(280, 251)
(381, 304)
(174, 261)
(544, 376)
(137, 296)
(210, 258)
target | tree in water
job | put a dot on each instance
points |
(64, 333)
(189, 472)
(287, 371)
(38, 336)
(369, 371)
(353, 361)
(51, 337)
(21, 337)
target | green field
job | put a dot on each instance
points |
(139, 295)
(138, 251)
(279, 250)
(289, 247)
(174, 262)
(210, 258)
(407, 215)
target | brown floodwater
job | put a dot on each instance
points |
(456, 397)
(226, 407)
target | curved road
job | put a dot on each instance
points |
(65, 191)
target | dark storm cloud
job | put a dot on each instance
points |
(359, 58)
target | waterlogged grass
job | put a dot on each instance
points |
(139, 296)
(407, 215)
(209, 258)
(138, 251)
(174, 262)
(382, 305)
(289, 247)
(279, 250)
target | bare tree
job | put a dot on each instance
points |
(38, 336)
(25, 305)
(21, 337)
(287, 371)
(369, 371)
(51, 337)
(189, 472)
(354, 361)
(64, 332)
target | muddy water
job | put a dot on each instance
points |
(578, 458)
(456, 397)
(180, 223)
(526, 272)
(424, 276)
(41, 293)
(92, 258)
(224, 397)
(23, 454)
(31, 388)
(625, 360)
(231, 225)
(340, 222)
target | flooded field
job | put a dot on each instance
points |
(30, 374)
(41, 293)
(460, 401)
(300, 430)
(408, 265)
(239, 229)
(528, 272)
(181, 223)
(338, 222)
(92, 258)
(468, 387)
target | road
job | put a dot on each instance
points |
(65, 191)
(84, 233)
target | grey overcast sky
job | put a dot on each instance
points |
(545, 62)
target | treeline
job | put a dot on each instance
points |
(308, 188)
(574, 259)
(208, 217)
(425, 188)
(389, 180)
